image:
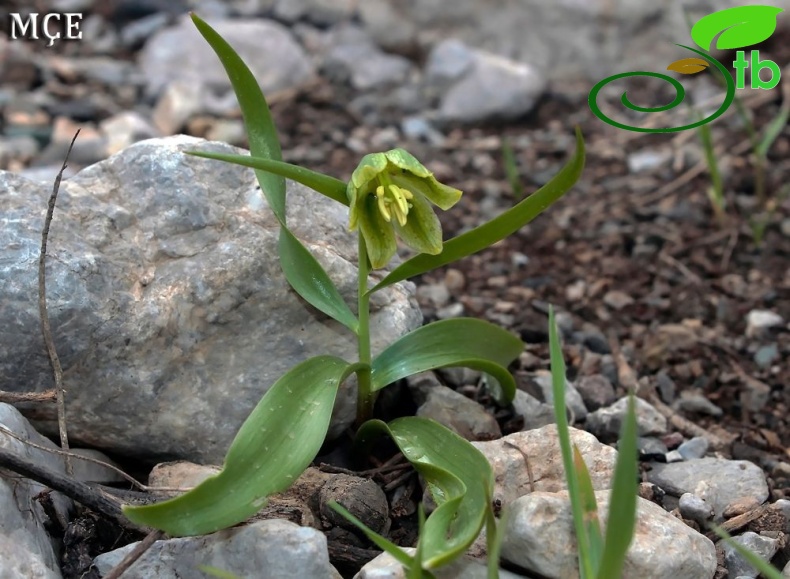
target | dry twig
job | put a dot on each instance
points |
(42, 310)
(134, 554)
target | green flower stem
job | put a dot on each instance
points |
(365, 397)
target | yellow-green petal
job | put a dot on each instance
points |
(422, 231)
(378, 234)
(441, 195)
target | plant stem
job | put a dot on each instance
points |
(365, 398)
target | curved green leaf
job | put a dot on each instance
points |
(458, 475)
(328, 186)
(272, 448)
(498, 228)
(301, 269)
(739, 26)
(258, 122)
(310, 281)
(456, 342)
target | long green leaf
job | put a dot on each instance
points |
(456, 342)
(586, 570)
(258, 122)
(328, 186)
(301, 269)
(458, 475)
(310, 281)
(498, 228)
(621, 520)
(271, 449)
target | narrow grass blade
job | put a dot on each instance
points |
(774, 129)
(452, 468)
(621, 520)
(764, 567)
(511, 169)
(498, 228)
(271, 449)
(586, 570)
(216, 572)
(592, 524)
(457, 342)
(384, 544)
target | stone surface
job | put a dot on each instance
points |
(573, 400)
(764, 547)
(534, 412)
(716, 480)
(26, 549)
(541, 446)
(596, 391)
(167, 302)
(695, 509)
(694, 448)
(271, 549)
(568, 39)
(180, 53)
(460, 414)
(605, 423)
(539, 538)
(492, 88)
(386, 567)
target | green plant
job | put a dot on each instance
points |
(388, 194)
(760, 145)
(511, 169)
(599, 557)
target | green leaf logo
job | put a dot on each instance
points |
(738, 27)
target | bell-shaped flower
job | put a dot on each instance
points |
(391, 193)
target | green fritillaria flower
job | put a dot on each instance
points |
(392, 193)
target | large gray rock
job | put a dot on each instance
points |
(271, 549)
(268, 48)
(385, 566)
(539, 537)
(541, 447)
(167, 303)
(567, 39)
(716, 480)
(26, 549)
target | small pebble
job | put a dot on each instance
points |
(695, 509)
(674, 456)
(759, 320)
(694, 448)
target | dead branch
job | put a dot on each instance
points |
(21, 397)
(77, 490)
(134, 554)
(42, 310)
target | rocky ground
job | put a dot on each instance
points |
(653, 291)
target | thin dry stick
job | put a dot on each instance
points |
(20, 397)
(526, 461)
(72, 488)
(65, 453)
(134, 554)
(42, 310)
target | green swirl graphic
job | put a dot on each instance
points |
(680, 94)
